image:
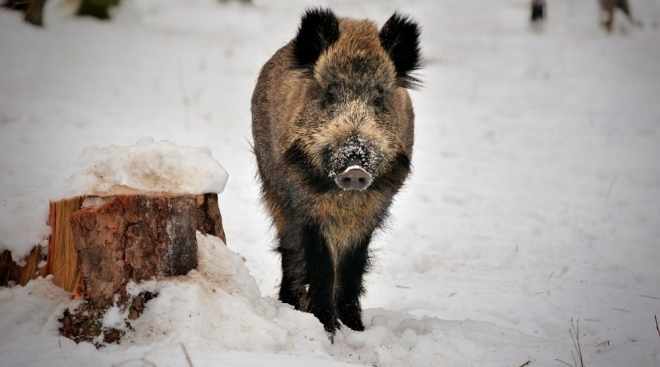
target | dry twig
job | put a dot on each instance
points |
(187, 356)
(145, 362)
(603, 344)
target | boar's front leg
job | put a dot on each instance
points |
(352, 267)
(320, 277)
(292, 289)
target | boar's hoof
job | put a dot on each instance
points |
(354, 178)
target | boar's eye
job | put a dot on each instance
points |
(330, 97)
(377, 98)
(378, 101)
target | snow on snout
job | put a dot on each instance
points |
(356, 151)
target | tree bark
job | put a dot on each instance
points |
(133, 238)
(98, 244)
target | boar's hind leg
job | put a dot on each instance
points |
(320, 276)
(352, 268)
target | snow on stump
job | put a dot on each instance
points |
(123, 214)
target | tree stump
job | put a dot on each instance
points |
(100, 243)
(136, 237)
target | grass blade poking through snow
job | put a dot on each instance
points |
(575, 338)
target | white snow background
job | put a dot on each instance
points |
(534, 201)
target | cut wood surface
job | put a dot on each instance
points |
(99, 243)
(62, 259)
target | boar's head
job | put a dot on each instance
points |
(354, 121)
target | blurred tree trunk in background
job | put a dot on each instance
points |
(34, 13)
(96, 8)
(16, 4)
(33, 9)
(607, 12)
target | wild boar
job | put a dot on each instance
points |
(332, 124)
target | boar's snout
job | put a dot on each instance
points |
(353, 165)
(354, 178)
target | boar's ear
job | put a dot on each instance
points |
(318, 30)
(400, 38)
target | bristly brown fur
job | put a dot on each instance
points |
(338, 82)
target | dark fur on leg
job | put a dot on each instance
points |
(320, 275)
(351, 271)
(289, 291)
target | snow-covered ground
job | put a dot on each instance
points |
(535, 198)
